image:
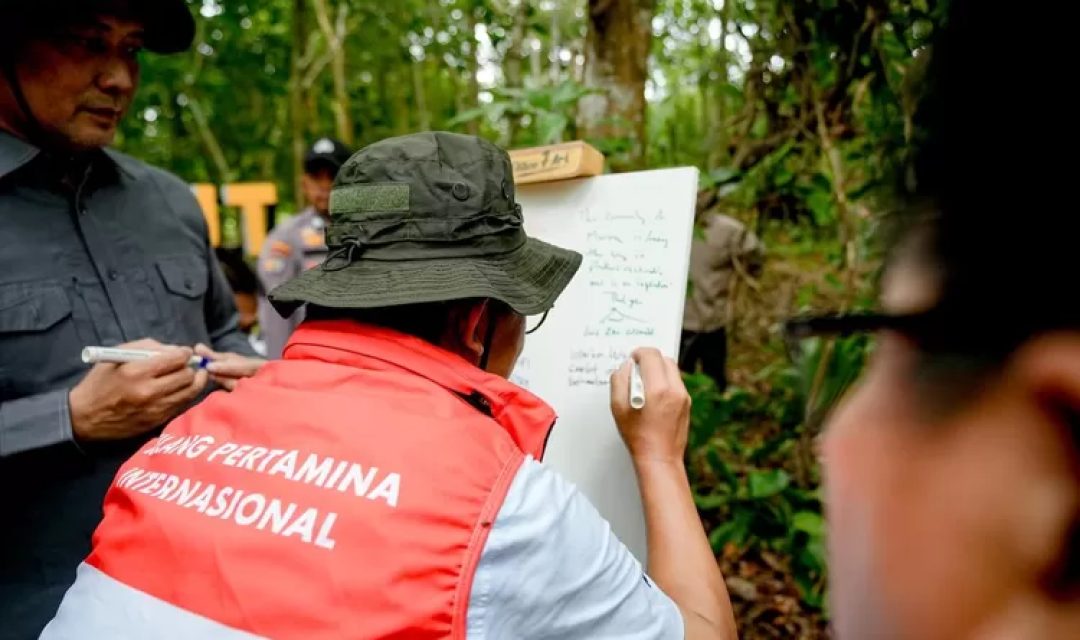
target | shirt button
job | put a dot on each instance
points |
(113, 274)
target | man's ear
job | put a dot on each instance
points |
(474, 324)
(1049, 366)
(1049, 369)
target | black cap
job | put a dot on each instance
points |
(170, 27)
(326, 152)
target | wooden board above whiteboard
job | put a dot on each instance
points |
(556, 162)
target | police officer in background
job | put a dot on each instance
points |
(97, 248)
(299, 244)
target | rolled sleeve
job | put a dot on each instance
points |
(35, 422)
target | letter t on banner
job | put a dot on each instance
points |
(206, 195)
(254, 200)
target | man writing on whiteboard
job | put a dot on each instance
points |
(384, 479)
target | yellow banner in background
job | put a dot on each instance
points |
(253, 199)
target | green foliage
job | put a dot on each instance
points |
(545, 114)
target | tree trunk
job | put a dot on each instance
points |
(420, 96)
(209, 140)
(400, 90)
(617, 65)
(296, 95)
(555, 45)
(512, 62)
(536, 64)
(718, 134)
(472, 67)
(334, 33)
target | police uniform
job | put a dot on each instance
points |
(292, 248)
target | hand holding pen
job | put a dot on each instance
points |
(651, 407)
(118, 400)
(224, 368)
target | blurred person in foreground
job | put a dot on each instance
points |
(97, 248)
(953, 469)
(383, 479)
(722, 249)
(299, 243)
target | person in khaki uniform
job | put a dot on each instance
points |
(299, 244)
(720, 243)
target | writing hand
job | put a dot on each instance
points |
(658, 432)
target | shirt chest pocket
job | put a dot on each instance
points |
(184, 281)
(39, 345)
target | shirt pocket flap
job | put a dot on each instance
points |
(184, 276)
(32, 310)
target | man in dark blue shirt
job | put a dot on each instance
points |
(97, 248)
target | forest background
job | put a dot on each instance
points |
(799, 114)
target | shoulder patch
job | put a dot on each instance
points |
(273, 266)
(280, 248)
(312, 238)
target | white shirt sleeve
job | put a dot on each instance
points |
(552, 568)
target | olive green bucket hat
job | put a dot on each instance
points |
(429, 217)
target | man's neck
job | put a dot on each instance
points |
(16, 127)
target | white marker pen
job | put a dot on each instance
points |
(94, 355)
(637, 387)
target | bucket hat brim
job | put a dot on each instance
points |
(529, 279)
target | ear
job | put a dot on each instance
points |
(1048, 368)
(474, 328)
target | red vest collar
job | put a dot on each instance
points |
(527, 418)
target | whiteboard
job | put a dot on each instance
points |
(634, 231)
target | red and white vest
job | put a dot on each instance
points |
(345, 491)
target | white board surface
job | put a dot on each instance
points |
(634, 230)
